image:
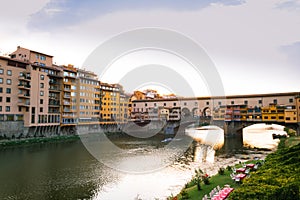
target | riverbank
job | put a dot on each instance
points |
(36, 140)
(280, 173)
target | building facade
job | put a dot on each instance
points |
(277, 107)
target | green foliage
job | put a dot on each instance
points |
(229, 168)
(184, 194)
(198, 178)
(290, 132)
(205, 179)
(221, 171)
(278, 178)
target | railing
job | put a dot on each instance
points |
(24, 85)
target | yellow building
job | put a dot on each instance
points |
(114, 104)
(276, 113)
(269, 113)
(88, 98)
(123, 108)
(219, 113)
(298, 107)
(290, 114)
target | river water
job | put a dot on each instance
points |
(66, 170)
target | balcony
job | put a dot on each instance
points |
(54, 88)
(67, 110)
(24, 78)
(67, 96)
(26, 96)
(24, 104)
(24, 86)
(67, 89)
(54, 103)
(69, 115)
(66, 103)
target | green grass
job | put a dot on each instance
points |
(292, 141)
(278, 178)
(216, 180)
(267, 172)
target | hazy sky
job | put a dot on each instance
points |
(254, 44)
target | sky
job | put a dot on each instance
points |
(254, 45)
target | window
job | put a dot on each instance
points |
(8, 99)
(146, 105)
(8, 81)
(291, 100)
(174, 104)
(41, 85)
(1, 71)
(41, 101)
(275, 101)
(41, 109)
(260, 101)
(220, 103)
(20, 109)
(1, 80)
(246, 102)
(0, 99)
(8, 90)
(42, 77)
(207, 103)
(154, 104)
(184, 103)
(232, 102)
(43, 57)
(7, 108)
(165, 104)
(41, 93)
(0, 108)
(9, 73)
(1, 89)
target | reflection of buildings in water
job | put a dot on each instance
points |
(204, 153)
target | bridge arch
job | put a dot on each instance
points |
(195, 112)
(206, 112)
(185, 113)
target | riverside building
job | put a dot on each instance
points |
(276, 107)
(27, 83)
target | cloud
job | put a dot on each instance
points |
(292, 52)
(292, 5)
(252, 43)
(57, 14)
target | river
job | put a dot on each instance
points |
(67, 170)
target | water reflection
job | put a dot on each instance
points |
(67, 170)
(51, 171)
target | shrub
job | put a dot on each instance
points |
(278, 178)
(205, 179)
(184, 194)
(229, 168)
(221, 171)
